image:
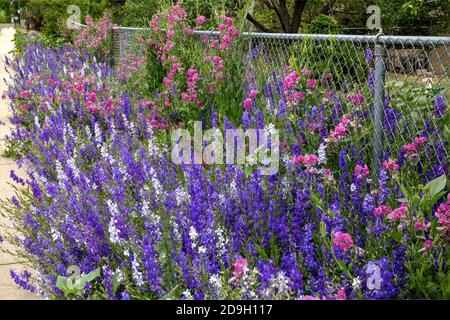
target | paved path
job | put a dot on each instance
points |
(8, 290)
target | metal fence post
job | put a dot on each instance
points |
(116, 44)
(378, 108)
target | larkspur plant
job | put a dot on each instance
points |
(103, 194)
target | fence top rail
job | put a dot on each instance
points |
(367, 39)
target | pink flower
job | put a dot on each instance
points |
(311, 83)
(443, 214)
(291, 80)
(361, 172)
(201, 20)
(398, 213)
(410, 150)
(305, 72)
(253, 93)
(420, 226)
(247, 104)
(341, 295)
(184, 96)
(239, 267)
(297, 160)
(420, 140)
(391, 165)
(428, 244)
(24, 94)
(310, 160)
(92, 96)
(358, 99)
(343, 241)
(383, 209)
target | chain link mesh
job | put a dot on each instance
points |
(410, 84)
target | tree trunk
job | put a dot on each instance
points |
(297, 16)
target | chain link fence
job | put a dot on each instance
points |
(408, 79)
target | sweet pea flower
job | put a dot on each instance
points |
(383, 209)
(92, 96)
(253, 93)
(247, 104)
(201, 20)
(427, 245)
(310, 160)
(342, 241)
(421, 226)
(311, 83)
(398, 213)
(239, 266)
(411, 150)
(24, 94)
(391, 165)
(443, 214)
(420, 140)
(305, 72)
(361, 171)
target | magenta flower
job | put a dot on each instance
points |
(247, 104)
(398, 213)
(201, 20)
(361, 171)
(383, 209)
(343, 241)
(311, 83)
(427, 244)
(24, 94)
(420, 140)
(239, 267)
(391, 165)
(253, 93)
(443, 213)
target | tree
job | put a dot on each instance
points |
(289, 22)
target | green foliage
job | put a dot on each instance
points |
(343, 60)
(50, 16)
(324, 24)
(3, 18)
(73, 287)
(135, 13)
(428, 277)
(23, 39)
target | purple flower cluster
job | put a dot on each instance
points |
(105, 194)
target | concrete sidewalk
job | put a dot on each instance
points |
(8, 289)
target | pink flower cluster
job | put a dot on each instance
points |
(412, 150)
(130, 65)
(383, 209)
(399, 213)
(341, 130)
(95, 36)
(343, 241)
(239, 266)
(443, 214)
(309, 160)
(228, 31)
(361, 171)
(357, 99)
(249, 101)
(391, 165)
(291, 80)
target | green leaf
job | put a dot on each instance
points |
(397, 235)
(435, 186)
(61, 283)
(91, 276)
